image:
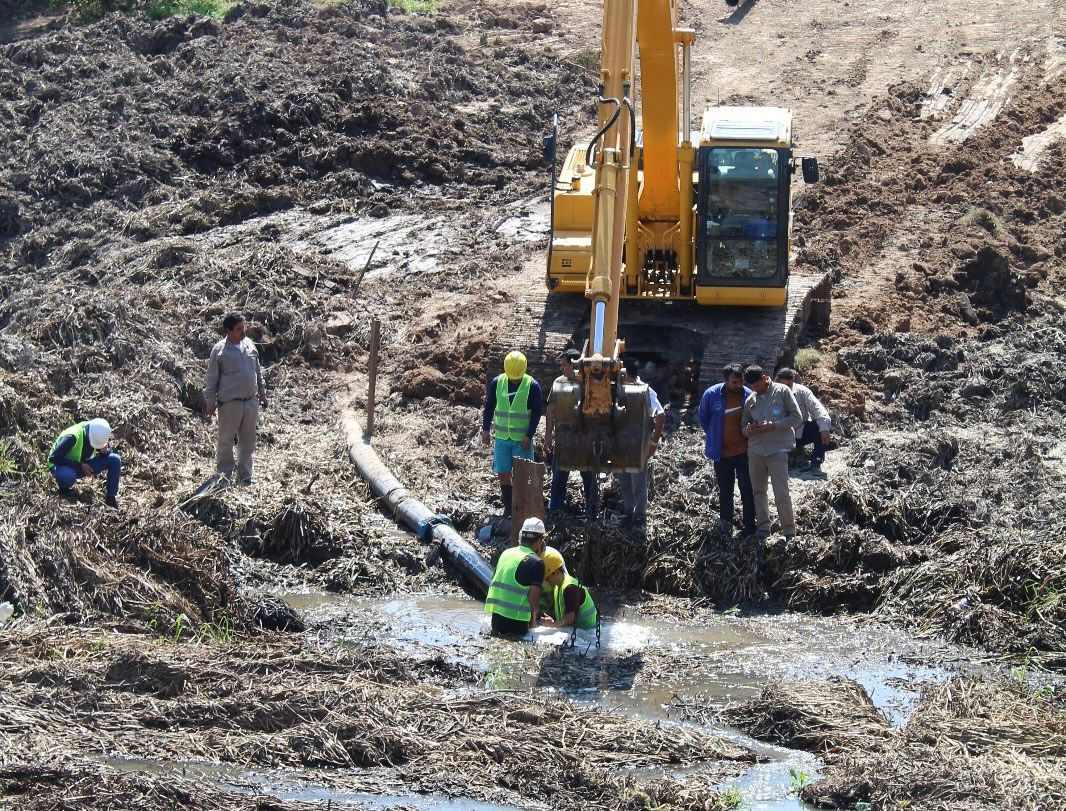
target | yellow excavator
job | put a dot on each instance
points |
(666, 214)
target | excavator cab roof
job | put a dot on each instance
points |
(764, 126)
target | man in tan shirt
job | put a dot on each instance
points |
(771, 417)
(235, 389)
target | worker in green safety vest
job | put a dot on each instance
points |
(513, 408)
(513, 599)
(83, 451)
(572, 603)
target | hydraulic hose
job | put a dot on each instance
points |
(603, 130)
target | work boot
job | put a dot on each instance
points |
(111, 502)
(505, 495)
(762, 534)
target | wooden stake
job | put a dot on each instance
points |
(371, 397)
(527, 493)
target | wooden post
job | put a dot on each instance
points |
(527, 494)
(371, 397)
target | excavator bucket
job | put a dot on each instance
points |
(617, 441)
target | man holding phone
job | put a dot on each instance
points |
(771, 417)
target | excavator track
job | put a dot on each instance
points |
(546, 323)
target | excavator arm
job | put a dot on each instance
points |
(602, 422)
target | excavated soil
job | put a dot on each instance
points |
(154, 175)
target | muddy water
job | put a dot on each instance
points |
(298, 785)
(643, 663)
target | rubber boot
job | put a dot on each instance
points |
(505, 491)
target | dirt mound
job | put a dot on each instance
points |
(936, 761)
(209, 123)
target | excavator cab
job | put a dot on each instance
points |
(741, 239)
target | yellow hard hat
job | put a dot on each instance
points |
(514, 365)
(553, 562)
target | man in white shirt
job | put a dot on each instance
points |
(816, 420)
(634, 486)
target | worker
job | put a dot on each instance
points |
(721, 408)
(234, 387)
(572, 604)
(769, 421)
(816, 421)
(557, 493)
(513, 598)
(634, 486)
(513, 405)
(83, 450)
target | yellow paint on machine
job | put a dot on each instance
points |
(742, 296)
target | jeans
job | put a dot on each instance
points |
(812, 435)
(775, 469)
(634, 488)
(557, 493)
(111, 462)
(730, 469)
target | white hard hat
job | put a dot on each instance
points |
(99, 433)
(533, 526)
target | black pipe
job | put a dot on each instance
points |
(412, 512)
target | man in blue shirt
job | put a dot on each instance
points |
(513, 406)
(720, 412)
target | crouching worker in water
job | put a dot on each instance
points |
(572, 602)
(514, 594)
(82, 451)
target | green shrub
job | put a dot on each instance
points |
(806, 359)
(160, 9)
(417, 6)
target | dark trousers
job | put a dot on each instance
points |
(65, 476)
(557, 492)
(730, 470)
(505, 626)
(811, 435)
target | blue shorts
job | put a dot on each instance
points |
(504, 452)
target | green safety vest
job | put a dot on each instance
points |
(511, 418)
(507, 597)
(78, 432)
(586, 612)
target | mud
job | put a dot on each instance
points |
(156, 175)
(1015, 761)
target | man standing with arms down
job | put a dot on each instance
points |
(770, 419)
(720, 412)
(513, 405)
(557, 496)
(816, 420)
(634, 486)
(235, 389)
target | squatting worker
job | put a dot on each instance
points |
(634, 486)
(720, 412)
(235, 389)
(769, 421)
(513, 599)
(571, 602)
(513, 406)
(557, 495)
(816, 420)
(82, 451)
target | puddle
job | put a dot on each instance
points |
(726, 659)
(298, 785)
(643, 663)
